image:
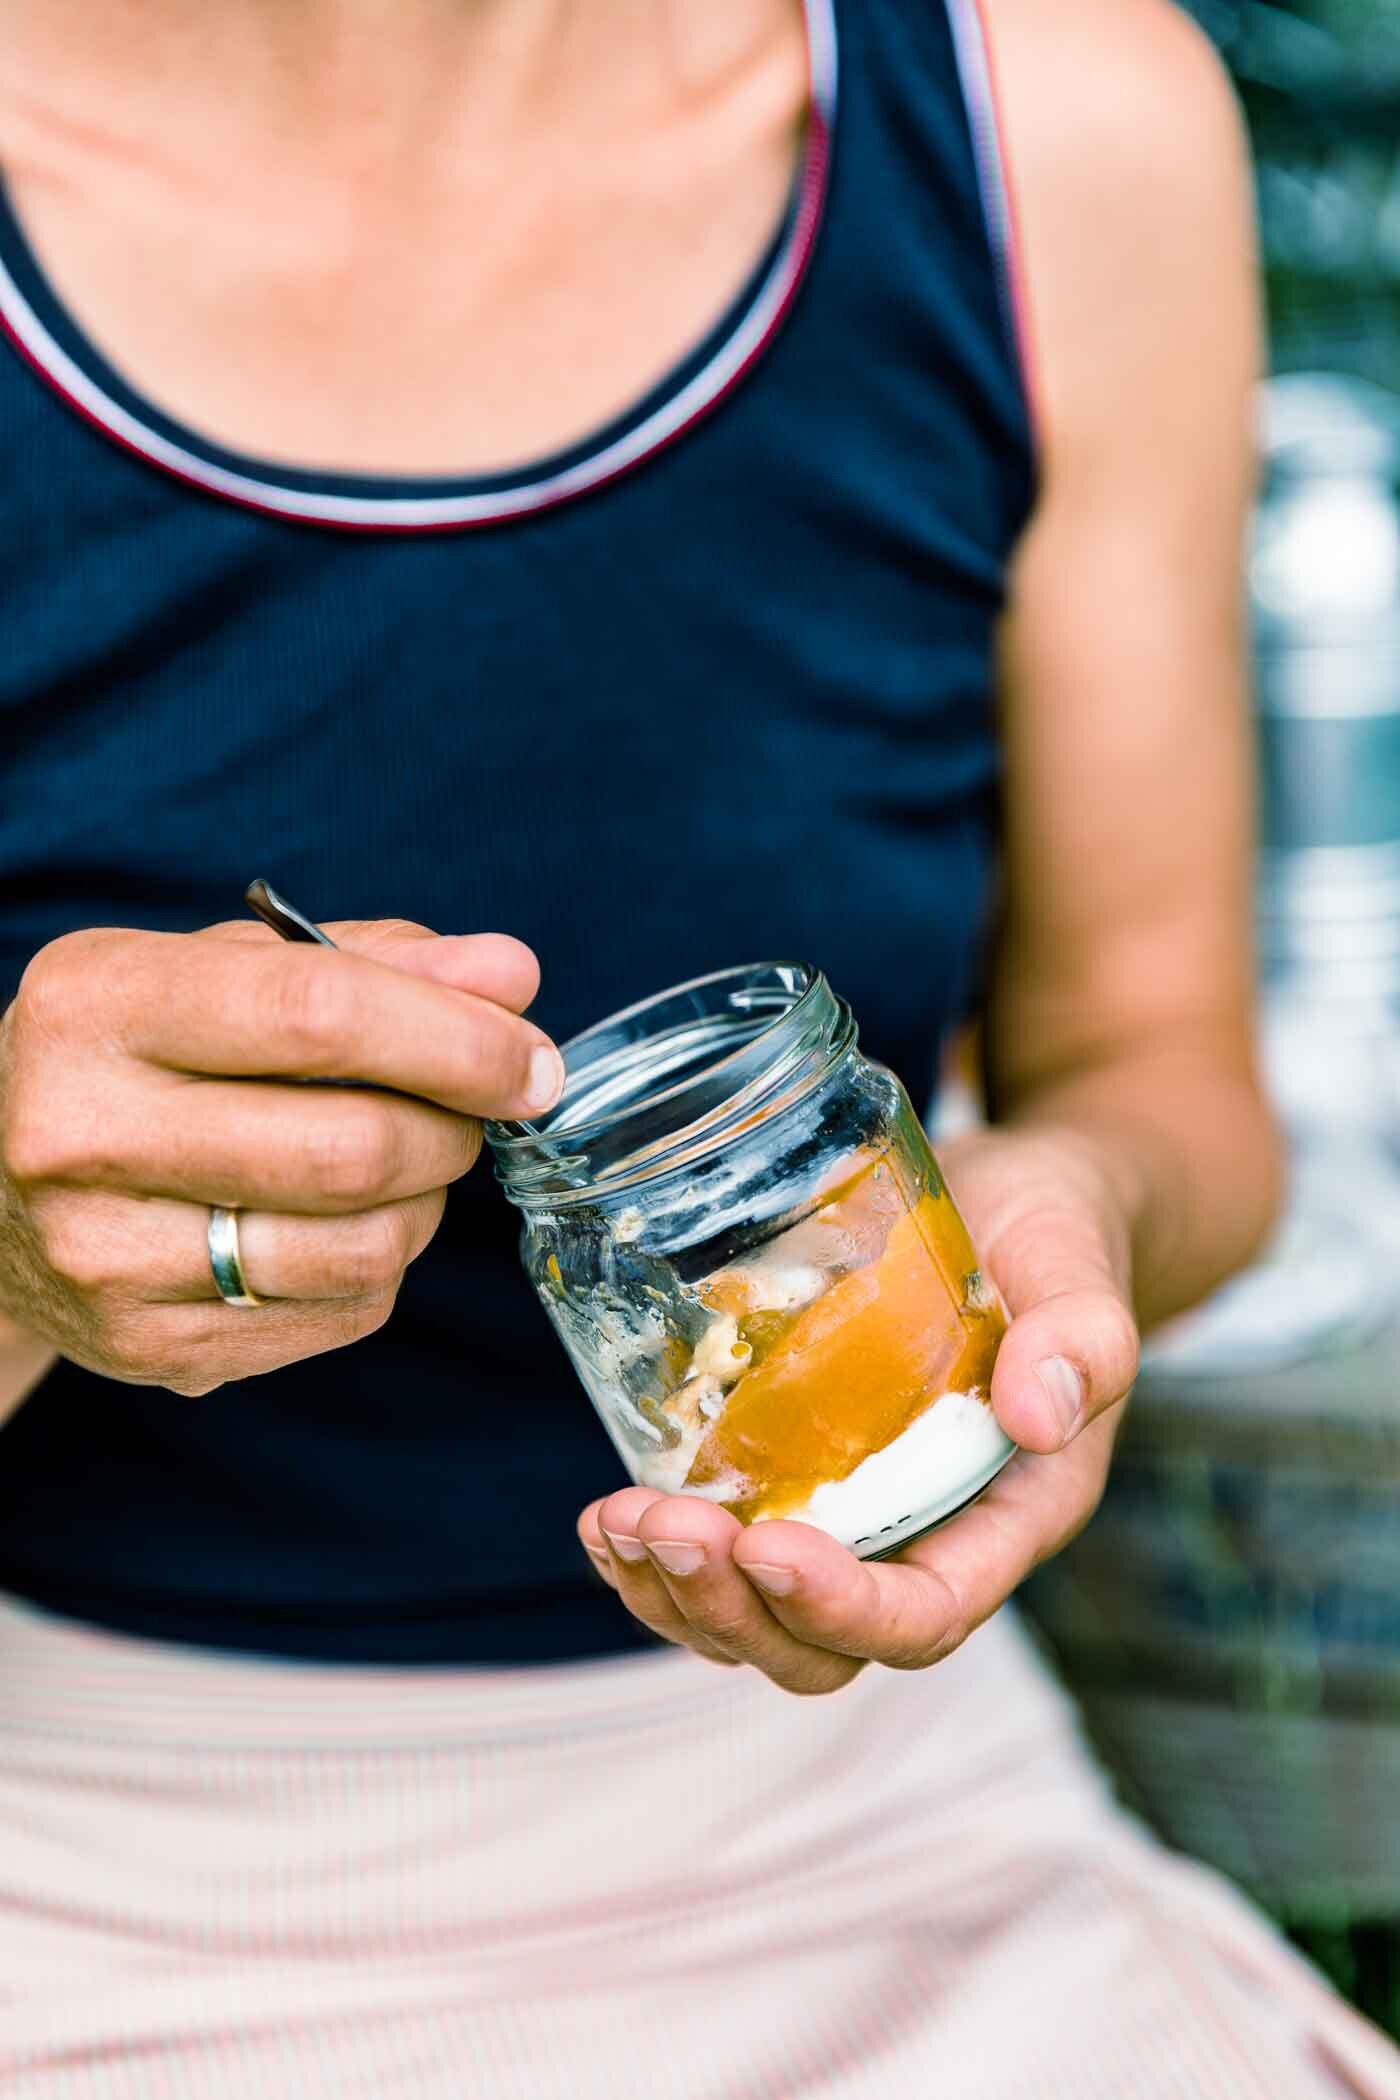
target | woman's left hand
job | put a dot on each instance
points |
(783, 1596)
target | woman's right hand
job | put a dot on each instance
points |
(146, 1077)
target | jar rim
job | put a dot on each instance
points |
(731, 1061)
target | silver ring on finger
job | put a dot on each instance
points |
(225, 1264)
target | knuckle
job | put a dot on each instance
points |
(733, 1631)
(185, 1365)
(136, 1358)
(923, 1654)
(89, 1262)
(68, 986)
(399, 930)
(243, 930)
(352, 1156)
(46, 1139)
(373, 1312)
(667, 1626)
(311, 1007)
(363, 935)
(935, 1621)
(54, 986)
(379, 1252)
(32, 1146)
(915, 1651)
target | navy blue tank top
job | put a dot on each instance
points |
(714, 686)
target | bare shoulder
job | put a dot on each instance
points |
(1127, 88)
(1128, 160)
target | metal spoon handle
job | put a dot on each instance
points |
(283, 918)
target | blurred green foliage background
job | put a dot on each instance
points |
(1320, 82)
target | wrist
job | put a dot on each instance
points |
(1104, 1166)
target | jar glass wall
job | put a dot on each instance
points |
(735, 1223)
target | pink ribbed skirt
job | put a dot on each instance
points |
(646, 1879)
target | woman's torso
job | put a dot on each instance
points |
(712, 686)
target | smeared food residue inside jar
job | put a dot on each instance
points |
(864, 1330)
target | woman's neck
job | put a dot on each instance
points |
(537, 207)
(359, 74)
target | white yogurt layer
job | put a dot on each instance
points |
(944, 1457)
(666, 1472)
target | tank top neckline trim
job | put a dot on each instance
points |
(39, 327)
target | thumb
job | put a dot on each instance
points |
(1050, 1233)
(1071, 1350)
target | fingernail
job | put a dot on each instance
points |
(1065, 1390)
(624, 1546)
(676, 1556)
(777, 1581)
(546, 1079)
(597, 1554)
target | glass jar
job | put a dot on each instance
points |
(736, 1225)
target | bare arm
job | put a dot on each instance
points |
(1135, 1164)
(1122, 999)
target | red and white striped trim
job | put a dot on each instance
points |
(972, 44)
(459, 509)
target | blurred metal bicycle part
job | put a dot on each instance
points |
(1325, 602)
